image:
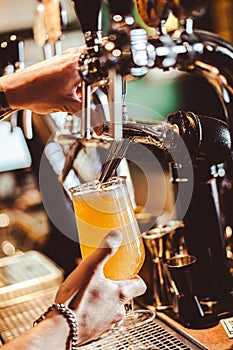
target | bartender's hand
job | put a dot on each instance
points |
(49, 86)
(97, 301)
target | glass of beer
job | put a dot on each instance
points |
(99, 208)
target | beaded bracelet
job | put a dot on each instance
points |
(72, 339)
(5, 109)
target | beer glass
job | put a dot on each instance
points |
(99, 208)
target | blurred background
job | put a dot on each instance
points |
(36, 212)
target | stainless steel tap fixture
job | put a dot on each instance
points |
(127, 52)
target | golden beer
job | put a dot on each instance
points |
(99, 208)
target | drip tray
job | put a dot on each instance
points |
(151, 336)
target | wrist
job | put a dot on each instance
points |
(55, 314)
(5, 109)
(9, 84)
(52, 332)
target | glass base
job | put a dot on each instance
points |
(135, 319)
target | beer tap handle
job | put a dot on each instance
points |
(90, 23)
(120, 7)
(91, 31)
(63, 23)
(52, 20)
(48, 27)
(39, 31)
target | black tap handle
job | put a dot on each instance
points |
(88, 13)
(120, 7)
(216, 144)
(207, 139)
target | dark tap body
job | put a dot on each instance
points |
(203, 219)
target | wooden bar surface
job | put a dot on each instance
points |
(214, 338)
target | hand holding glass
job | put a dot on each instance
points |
(99, 208)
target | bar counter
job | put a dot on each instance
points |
(214, 338)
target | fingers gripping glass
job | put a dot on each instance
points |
(99, 208)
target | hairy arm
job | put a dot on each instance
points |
(98, 302)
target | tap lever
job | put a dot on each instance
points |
(90, 68)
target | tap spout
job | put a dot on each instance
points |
(206, 139)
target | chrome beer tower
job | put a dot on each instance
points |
(126, 53)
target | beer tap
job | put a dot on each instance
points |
(50, 21)
(124, 52)
(39, 30)
(106, 64)
(214, 63)
(208, 56)
(90, 68)
(127, 52)
(55, 22)
(49, 24)
(197, 52)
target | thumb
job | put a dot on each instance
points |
(108, 247)
(81, 276)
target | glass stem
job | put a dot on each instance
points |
(129, 308)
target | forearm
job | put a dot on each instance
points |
(45, 87)
(21, 88)
(50, 334)
(98, 303)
